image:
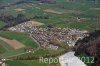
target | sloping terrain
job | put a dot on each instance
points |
(90, 46)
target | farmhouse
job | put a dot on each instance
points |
(3, 63)
(53, 47)
(29, 49)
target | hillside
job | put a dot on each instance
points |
(90, 46)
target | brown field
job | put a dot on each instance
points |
(35, 23)
(95, 8)
(19, 9)
(53, 11)
(13, 43)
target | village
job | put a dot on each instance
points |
(51, 36)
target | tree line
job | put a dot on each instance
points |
(10, 20)
(90, 45)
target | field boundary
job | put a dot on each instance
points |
(13, 43)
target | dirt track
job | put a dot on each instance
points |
(13, 43)
(93, 8)
(19, 9)
(53, 11)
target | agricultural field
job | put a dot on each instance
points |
(13, 50)
(2, 49)
(81, 15)
(2, 24)
(22, 37)
(29, 63)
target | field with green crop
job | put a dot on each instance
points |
(6, 50)
(2, 24)
(29, 63)
(8, 1)
(22, 37)
(2, 49)
(42, 52)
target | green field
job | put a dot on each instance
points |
(22, 37)
(43, 53)
(4, 47)
(2, 24)
(7, 51)
(8, 1)
(2, 50)
(29, 63)
(70, 11)
(88, 60)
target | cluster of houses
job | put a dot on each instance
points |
(47, 37)
(23, 27)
